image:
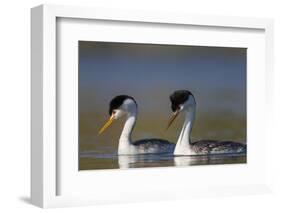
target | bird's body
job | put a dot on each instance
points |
(147, 146)
(207, 147)
(124, 105)
(184, 101)
(153, 145)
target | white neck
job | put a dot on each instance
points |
(183, 146)
(125, 138)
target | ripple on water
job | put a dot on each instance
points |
(89, 160)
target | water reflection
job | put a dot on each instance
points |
(145, 160)
(209, 159)
(94, 160)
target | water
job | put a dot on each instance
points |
(90, 160)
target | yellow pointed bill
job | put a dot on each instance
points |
(173, 117)
(106, 125)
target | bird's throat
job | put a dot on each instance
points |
(125, 138)
(183, 144)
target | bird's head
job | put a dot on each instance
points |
(181, 100)
(120, 106)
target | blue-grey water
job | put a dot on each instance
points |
(96, 160)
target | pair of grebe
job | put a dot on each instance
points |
(182, 101)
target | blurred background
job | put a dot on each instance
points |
(150, 73)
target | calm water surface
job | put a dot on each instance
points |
(99, 160)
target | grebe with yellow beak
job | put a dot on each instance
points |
(183, 101)
(124, 105)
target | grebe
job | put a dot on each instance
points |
(124, 105)
(184, 101)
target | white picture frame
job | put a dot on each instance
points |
(44, 150)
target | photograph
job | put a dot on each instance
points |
(143, 105)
